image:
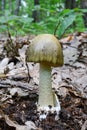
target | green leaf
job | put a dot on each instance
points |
(65, 23)
(65, 12)
(25, 20)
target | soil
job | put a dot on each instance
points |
(71, 116)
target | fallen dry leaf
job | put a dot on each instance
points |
(28, 125)
(84, 126)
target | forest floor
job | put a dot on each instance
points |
(19, 86)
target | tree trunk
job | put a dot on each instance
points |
(83, 5)
(18, 4)
(70, 4)
(36, 13)
(3, 5)
(10, 6)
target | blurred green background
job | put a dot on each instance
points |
(60, 17)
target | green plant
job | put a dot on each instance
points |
(54, 19)
(70, 21)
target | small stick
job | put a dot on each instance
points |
(29, 77)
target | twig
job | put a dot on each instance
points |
(29, 77)
(10, 83)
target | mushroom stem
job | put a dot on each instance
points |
(46, 96)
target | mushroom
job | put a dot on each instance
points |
(46, 50)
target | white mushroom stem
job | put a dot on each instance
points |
(46, 96)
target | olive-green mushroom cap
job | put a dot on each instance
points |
(45, 48)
